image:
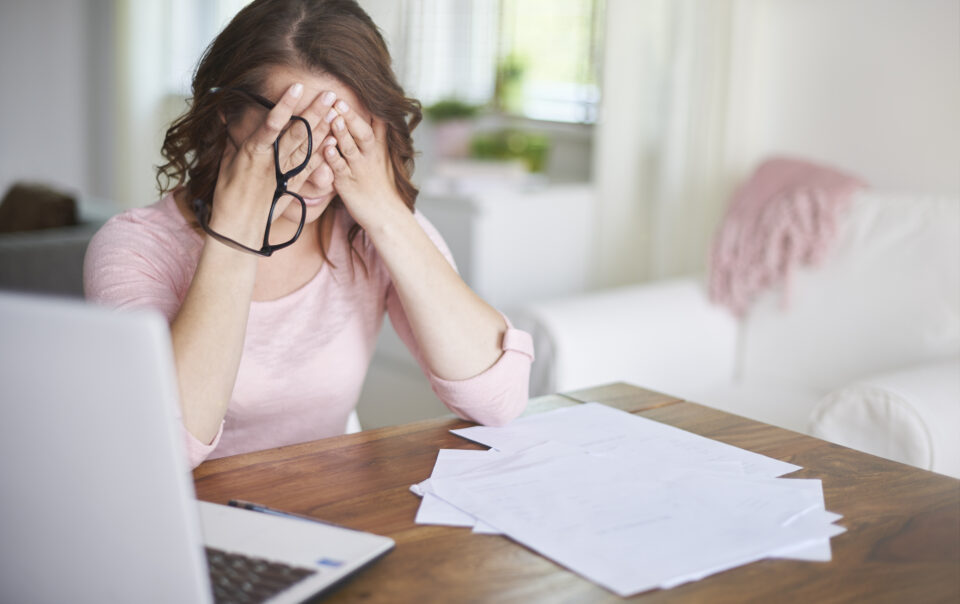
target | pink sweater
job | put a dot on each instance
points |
(305, 355)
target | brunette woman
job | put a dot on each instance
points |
(287, 230)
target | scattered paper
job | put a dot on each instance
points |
(626, 502)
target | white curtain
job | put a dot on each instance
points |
(667, 133)
(444, 49)
(157, 44)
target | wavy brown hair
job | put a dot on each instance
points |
(335, 37)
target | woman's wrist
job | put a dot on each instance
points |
(245, 227)
(222, 258)
(386, 220)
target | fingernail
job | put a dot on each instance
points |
(296, 90)
(329, 117)
(328, 98)
(342, 107)
(329, 141)
(338, 124)
(331, 151)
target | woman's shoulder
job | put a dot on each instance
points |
(162, 216)
(155, 238)
(146, 253)
(160, 225)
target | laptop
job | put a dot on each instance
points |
(96, 497)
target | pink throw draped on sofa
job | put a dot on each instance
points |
(784, 216)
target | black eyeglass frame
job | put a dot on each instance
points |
(283, 179)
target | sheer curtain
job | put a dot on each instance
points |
(666, 140)
(448, 49)
(157, 45)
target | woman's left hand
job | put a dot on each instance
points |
(362, 170)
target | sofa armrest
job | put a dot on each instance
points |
(48, 261)
(910, 415)
(663, 335)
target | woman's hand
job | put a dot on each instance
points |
(247, 178)
(362, 170)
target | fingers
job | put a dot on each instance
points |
(333, 158)
(351, 124)
(317, 162)
(278, 118)
(314, 114)
(316, 111)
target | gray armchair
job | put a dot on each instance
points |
(47, 260)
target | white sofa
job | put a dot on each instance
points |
(864, 351)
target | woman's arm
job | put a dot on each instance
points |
(207, 336)
(493, 397)
(459, 335)
(209, 329)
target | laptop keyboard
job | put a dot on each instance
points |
(239, 578)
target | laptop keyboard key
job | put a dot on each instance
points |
(239, 578)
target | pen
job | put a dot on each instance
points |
(256, 507)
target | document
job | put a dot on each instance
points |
(601, 429)
(595, 491)
(451, 462)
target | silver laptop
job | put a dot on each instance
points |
(96, 497)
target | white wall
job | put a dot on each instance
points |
(697, 92)
(869, 85)
(43, 107)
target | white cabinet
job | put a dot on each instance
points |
(513, 245)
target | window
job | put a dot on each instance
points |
(531, 58)
(547, 59)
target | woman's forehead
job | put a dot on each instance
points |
(314, 83)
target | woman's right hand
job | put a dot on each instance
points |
(247, 177)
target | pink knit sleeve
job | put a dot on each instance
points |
(128, 267)
(197, 451)
(492, 397)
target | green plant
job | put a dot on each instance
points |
(450, 109)
(531, 147)
(509, 84)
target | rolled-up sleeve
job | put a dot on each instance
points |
(496, 395)
(197, 451)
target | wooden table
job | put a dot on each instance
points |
(903, 524)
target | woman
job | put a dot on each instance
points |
(275, 300)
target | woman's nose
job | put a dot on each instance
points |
(322, 177)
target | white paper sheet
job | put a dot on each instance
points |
(626, 532)
(627, 502)
(601, 429)
(434, 510)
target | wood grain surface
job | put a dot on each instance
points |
(902, 542)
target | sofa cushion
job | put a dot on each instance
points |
(910, 415)
(776, 403)
(664, 336)
(886, 296)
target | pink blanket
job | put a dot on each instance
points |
(784, 216)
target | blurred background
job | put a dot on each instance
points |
(568, 145)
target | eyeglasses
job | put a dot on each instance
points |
(296, 139)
